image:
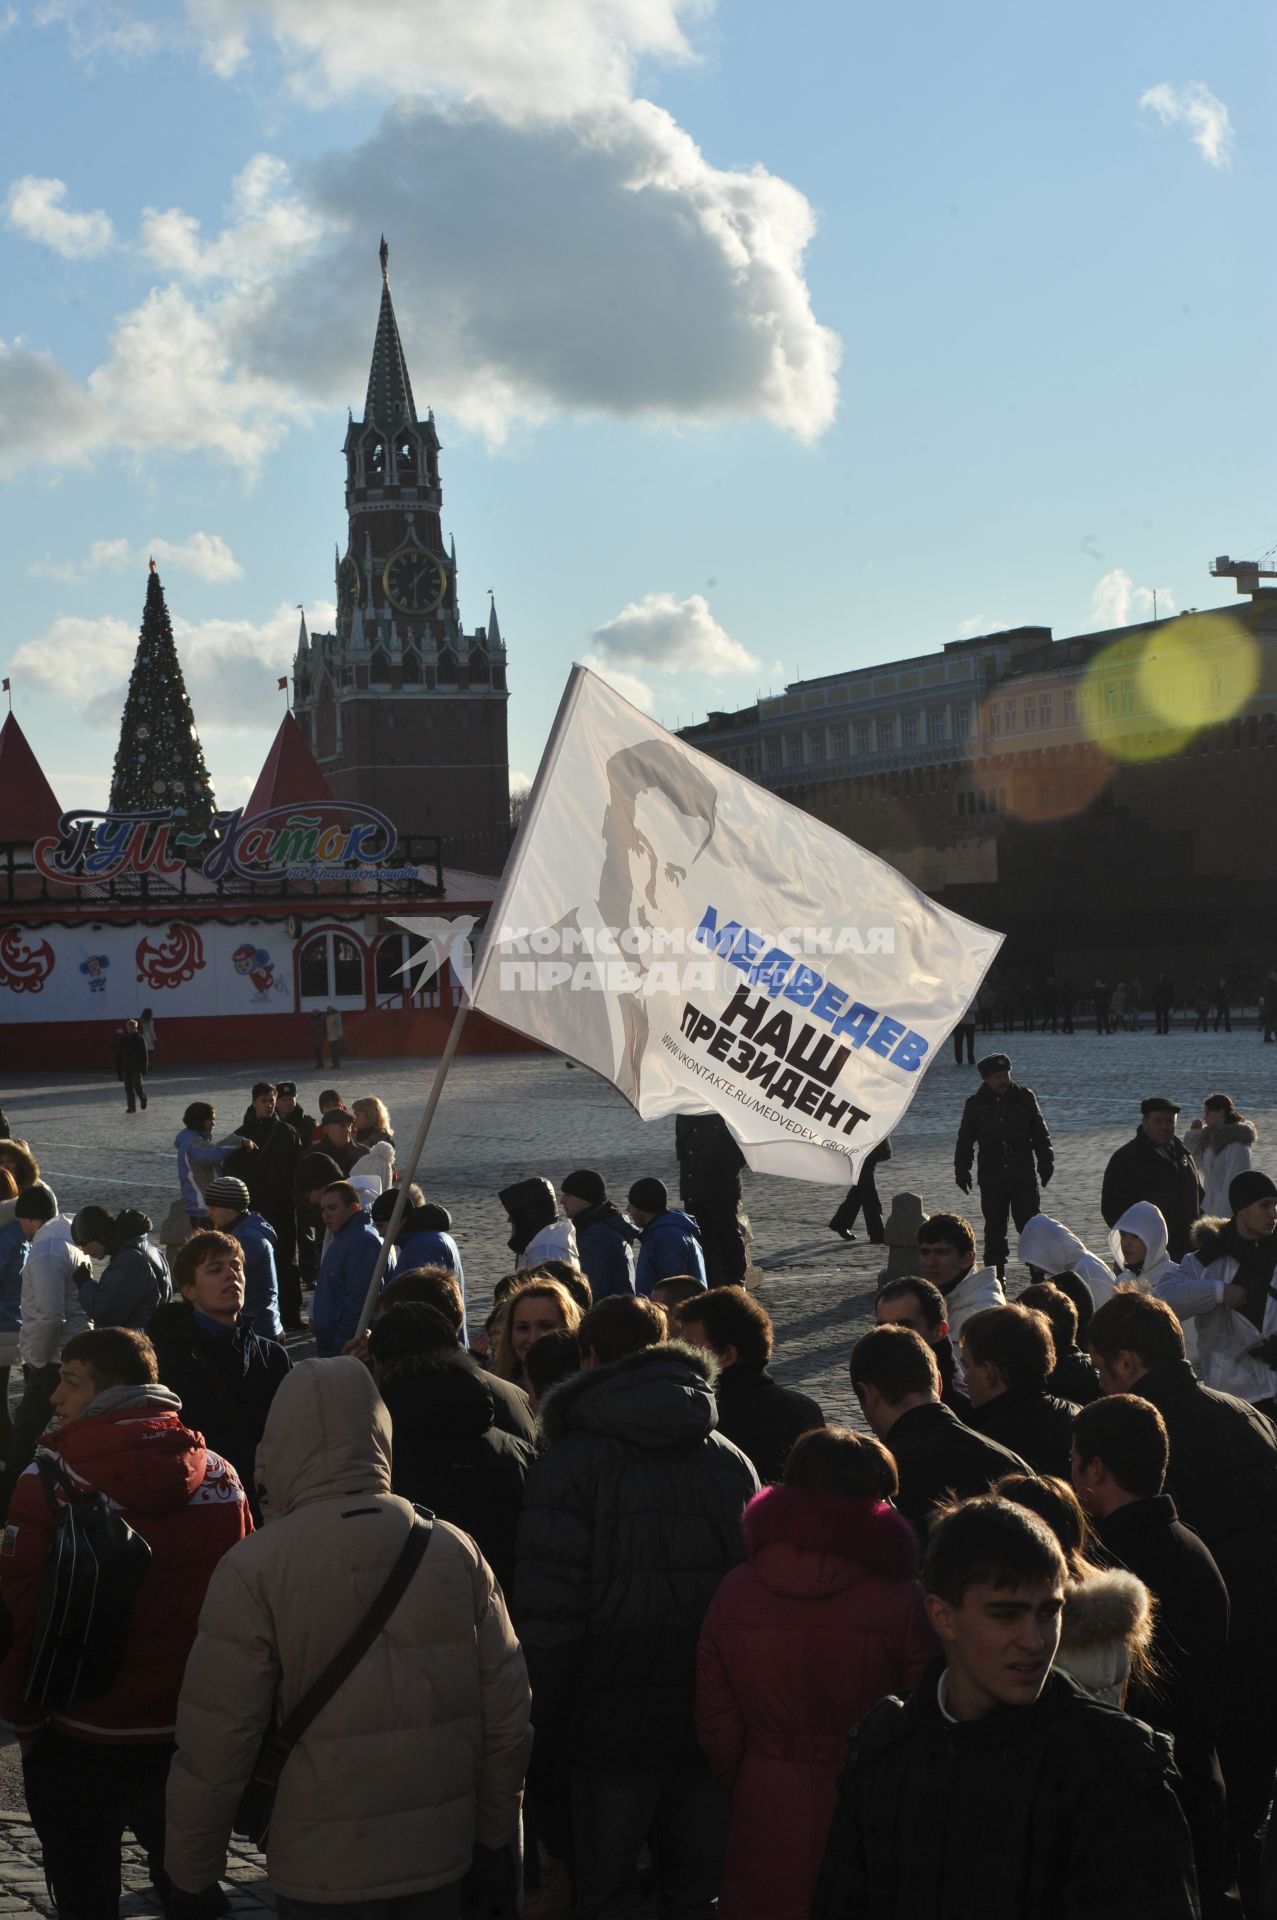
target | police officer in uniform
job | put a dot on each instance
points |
(1004, 1135)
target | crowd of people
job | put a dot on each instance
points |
(1052, 1004)
(558, 1602)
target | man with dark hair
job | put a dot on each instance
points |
(671, 1239)
(131, 1062)
(1007, 1356)
(895, 1378)
(55, 1271)
(1155, 1166)
(1120, 1452)
(631, 1519)
(448, 1453)
(100, 1763)
(269, 1175)
(437, 1287)
(756, 1413)
(1039, 1802)
(616, 1328)
(917, 1303)
(1226, 1287)
(671, 1293)
(227, 1203)
(946, 1254)
(1002, 1124)
(1223, 1478)
(210, 1354)
(1073, 1376)
(345, 1273)
(289, 1108)
(606, 1242)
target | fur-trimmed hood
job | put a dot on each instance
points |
(1111, 1608)
(1241, 1134)
(1207, 1238)
(660, 1397)
(801, 1537)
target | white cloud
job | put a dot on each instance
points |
(545, 59)
(230, 666)
(628, 685)
(1117, 601)
(206, 555)
(519, 782)
(45, 417)
(1197, 108)
(34, 207)
(671, 636)
(267, 226)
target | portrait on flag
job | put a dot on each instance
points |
(708, 947)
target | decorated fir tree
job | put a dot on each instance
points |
(159, 764)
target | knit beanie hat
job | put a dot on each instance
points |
(1249, 1187)
(586, 1185)
(91, 1223)
(226, 1191)
(649, 1195)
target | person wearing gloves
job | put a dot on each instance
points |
(408, 1781)
(1053, 1248)
(1225, 1286)
(1139, 1249)
(536, 1231)
(1220, 1143)
(136, 1278)
(1005, 1138)
(55, 1271)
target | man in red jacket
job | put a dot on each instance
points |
(101, 1764)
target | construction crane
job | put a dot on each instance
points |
(1247, 573)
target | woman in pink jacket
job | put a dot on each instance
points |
(823, 1620)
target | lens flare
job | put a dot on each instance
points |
(1145, 696)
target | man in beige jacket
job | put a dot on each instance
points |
(413, 1771)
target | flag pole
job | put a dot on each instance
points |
(495, 920)
(407, 1173)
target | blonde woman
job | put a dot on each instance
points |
(540, 1307)
(1108, 1612)
(372, 1122)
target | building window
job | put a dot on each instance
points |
(793, 749)
(961, 722)
(886, 736)
(995, 716)
(935, 726)
(330, 967)
(838, 739)
(1110, 699)
(1070, 706)
(909, 730)
(816, 744)
(773, 756)
(862, 737)
(1010, 716)
(1030, 711)
(1044, 705)
(1128, 697)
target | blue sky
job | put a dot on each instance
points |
(756, 348)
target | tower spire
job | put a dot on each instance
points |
(389, 401)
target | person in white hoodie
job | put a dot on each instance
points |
(1220, 1143)
(1052, 1248)
(1226, 1287)
(1139, 1249)
(55, 1271)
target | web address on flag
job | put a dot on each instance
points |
(748, 1100)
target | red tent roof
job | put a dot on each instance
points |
(291, 776)
(28, 805)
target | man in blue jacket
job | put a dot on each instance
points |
(606, 1243)
(671, 1242)
(345, 1271)
(136, 1280)
(228, 1203)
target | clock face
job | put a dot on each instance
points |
(348, 584)
(415, 581)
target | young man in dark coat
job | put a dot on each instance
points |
(131, 1063)
(437, 1287)
(268, 1175)
(631, 1519)
(999, 1788)
(223, 1373)
(606, 1242)
(1005, 1137)
(1222, 1477)
(1155, 1166)
(755, 1412)
(449, 1454)
(1120, 1453)
(1007, 1355)
(710, 1164)
(895, 1378)
(914, 1302)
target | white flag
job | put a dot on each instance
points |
(707, 947)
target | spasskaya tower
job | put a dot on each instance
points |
(406, 711)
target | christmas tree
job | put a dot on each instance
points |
(159, 764)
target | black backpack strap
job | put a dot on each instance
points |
(347, 1658)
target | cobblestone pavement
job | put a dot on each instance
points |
(23, 1890)
(504, 1117)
